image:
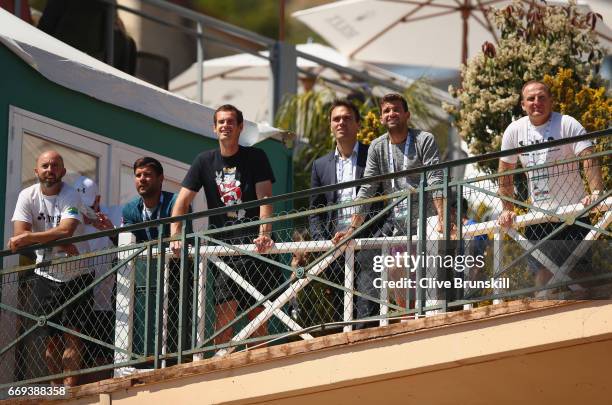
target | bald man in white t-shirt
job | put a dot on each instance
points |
(48, 211)
(554, 186)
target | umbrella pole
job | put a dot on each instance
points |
(281, 20)
(465, 15)
(200, 60)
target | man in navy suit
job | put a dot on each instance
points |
(345, 163)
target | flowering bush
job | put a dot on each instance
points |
(535, 41)
(592, 107)
(371, 128)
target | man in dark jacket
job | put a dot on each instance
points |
(345, 163)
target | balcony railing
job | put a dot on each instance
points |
(161, 309)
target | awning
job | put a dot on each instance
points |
(75, 70)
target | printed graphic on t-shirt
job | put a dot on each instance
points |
(539, 178)
(53, 220)
(229, 190)
(538, 156)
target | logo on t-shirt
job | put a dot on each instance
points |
(72, 210)
(535, 141)
(229, 190)
(54, 220)
(528, 142)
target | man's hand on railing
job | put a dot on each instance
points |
(356, 222)
(102, 222)
(341, 235)
(506, 218)
(263, 243)
(19, 241)
(591, 198)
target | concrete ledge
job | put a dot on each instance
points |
(334, 367)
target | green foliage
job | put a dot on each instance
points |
(306, 115)
(255, 15)
(261, 16)
(536, 40)
(38, 4)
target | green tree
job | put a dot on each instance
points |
(255, 15)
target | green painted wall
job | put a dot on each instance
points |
(23, 87)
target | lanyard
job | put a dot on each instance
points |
(156, 213)
(409, 140)
(340, 171)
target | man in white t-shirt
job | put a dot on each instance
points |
(45, 212)
(554, 186)
(96, 218)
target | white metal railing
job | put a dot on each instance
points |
(125, 278)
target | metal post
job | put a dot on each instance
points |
(384, 291)
(283, 63)
(201, 288)
(182, 321)
(145, 350)
(165, 311)
(446, 238)
(497, 255)
(460, 241)
(349, 276)
(124, 306)
(111, 10)
(195, 293)
(200, 51)
(409, 247)
(422, 248)
(159, 295)
(17, 9)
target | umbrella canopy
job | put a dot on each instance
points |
(244, 79)
(437, 33)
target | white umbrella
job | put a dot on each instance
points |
(244, 79)
(437, 33)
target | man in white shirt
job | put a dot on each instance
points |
(96, 218)
(45, 212)
(554, 186)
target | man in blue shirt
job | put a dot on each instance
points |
(152, 203)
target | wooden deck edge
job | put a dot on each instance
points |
(267, 354)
